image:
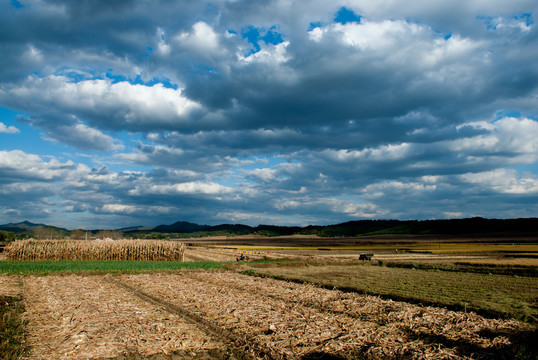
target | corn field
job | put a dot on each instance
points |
(141, 250)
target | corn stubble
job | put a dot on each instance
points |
(140, 250)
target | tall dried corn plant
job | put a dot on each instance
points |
(142, 250)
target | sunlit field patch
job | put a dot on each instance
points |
(501, 295)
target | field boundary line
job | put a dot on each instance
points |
(206, 326)
(486, 313)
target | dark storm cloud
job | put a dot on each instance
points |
(349, 103)
(329, 76)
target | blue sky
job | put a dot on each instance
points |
(124, 113)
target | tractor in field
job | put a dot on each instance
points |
(364, 256)
(242, 258)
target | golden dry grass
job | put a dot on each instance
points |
(514, 247)
(505, 261)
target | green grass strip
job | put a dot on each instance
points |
(47, 267)
(11, 328)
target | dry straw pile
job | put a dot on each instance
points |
(142, 250)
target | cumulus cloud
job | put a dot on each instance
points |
(119, 208)
(83, 137)
(201, 39)
(183, 188)
(8, 129)
(423, 109)
(17, 165)
(101, 102)
(504, 181)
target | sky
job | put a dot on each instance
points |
(126, 113)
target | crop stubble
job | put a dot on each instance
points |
(10, 285)
(105, 316)
(274, 319)
(74, 317)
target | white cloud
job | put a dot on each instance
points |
(265, 175)
(271, 55)
(103, 102)
(512, 23)
(400, 186)
(452, 214)
(191, 187)
(8, 129)
(510, 138)
(332, 206)
(83, 137)
(376, 36)
(383, 153)
(123, 209)
(238, 216)
(202, 39)
(353, 209)
(162, 48)
(32, 54)
(503, 181)
(11, 212)
(21, 188)
(286, 204)
(119, 208)
(406, 43)
(18, 164)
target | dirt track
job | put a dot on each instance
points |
(223, 314)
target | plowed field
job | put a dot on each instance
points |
(229, 315)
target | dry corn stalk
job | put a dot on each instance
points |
(142, 250)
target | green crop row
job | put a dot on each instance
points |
(68, 266)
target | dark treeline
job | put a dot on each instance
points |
(453, 227)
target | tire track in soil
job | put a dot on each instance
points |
(236, 344)
(408, 331)
(310, 335)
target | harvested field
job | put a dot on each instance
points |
(502, 294)
(280, 320)
(10, 285)
(222, 315)
(434, 259)
(222, 254)
(75, 317)
(506, 261)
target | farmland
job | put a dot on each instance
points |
(429, 300)
(72, 317)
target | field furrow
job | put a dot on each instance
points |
(439, 322)
(275, 319)
(76, 317)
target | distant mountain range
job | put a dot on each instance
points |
(472, 226)
(20, 227)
